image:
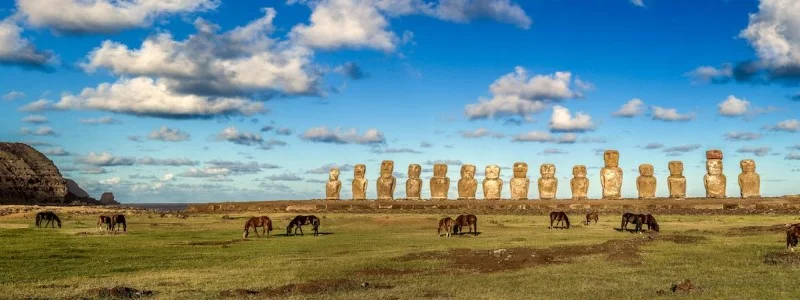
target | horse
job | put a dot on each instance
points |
(255, 222)
(471, 221)
(792, 236)
(299, 221)
(591, 216)
(650, 221)
(104, 221)
(559, 217)
(631, 218)
(117, 220)
(445, 224)
(48, 216)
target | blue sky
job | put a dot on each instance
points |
(207, 100)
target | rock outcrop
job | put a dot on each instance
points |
(29, 177)
(108, 199)
(75, 189)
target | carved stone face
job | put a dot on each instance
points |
(439, 170)
(414, 171)
(359, 170)
(547, 170)
(492, 172)
(520, 170)
(676, 167)
(579, 171)
(333, 175)
(468, 171)
(748, 165)
(611, 158)
(387, 167)
(646, 170)
(714, 166)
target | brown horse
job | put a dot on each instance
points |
(650, 221)
(255, 222)
(631, 218)
(559, 217)
(118, 220)
(792, 236)
(104, 221)
(445, 224)
(48, 216)
(591, 216)
(299, 221)
(471, 221)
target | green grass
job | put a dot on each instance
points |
(163, 255)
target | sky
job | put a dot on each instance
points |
(219, 100)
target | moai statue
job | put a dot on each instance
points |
(333, 186)
(749, 180)
(548, 183)
(579, 183)
(646, 182)
(611, 175)
(714, 181)
(520, 183)
(676, 182)
(440, 184)
(467, 185)
(387, 182)
(414, 184)
(359, 182)
(492, 184)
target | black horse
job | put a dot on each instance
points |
(559, 217)
(650, 221)
(471, 221)
(48, 216)
(631, 218)
(299, 221)
(118, 221)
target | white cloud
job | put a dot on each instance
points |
(670, 115)
(166, 134)
(464, 11)
(105, 159)
(41, 131)
(561, 120)
(791, 125)
(757, 151)
(638, 3)
(35, 119)
(13, 95)
(233, 135)
(481, 132)
(709, 74)
(517, 94)
(56, 152)
(206, 172)
(111, 181)
(284, 177)
(792, 156)
(346, 136)
(38, 105)
(733, 106)
(143, 96)
(168, 177)
(102, 120)
(16, 50)
(742, 136)
(172, 162)
(545, 137)
(773, 32)
(104, 16)
(632, 108)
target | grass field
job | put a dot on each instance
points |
(375, 256)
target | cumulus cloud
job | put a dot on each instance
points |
(632, 108)
(105, 159)
(55, 152)
(346, 136)
(173, 162)
(111, 181)
(38, 105)
(233, 135)
(35, 119)
(791, 125)
(742, 136)
(284, 177)
(517, 94)
(40, 131)
(757, 151)
(561, 120)
(16, 50)
(709, 74)
(733, 106)
(104, 16)
(166, 134)
(205, 172)
(325, 168)
(481, 132)
(670, 115)
(12, 95)
(99, 121)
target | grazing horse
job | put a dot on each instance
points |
(299, 221)
(650, 221)
(445, 224)
(104, 221)
(471, 221)
(559, 217)
(792, 236)
(48, 216)
(255, 222)
(591, 216)
(118, 220)
(631, 218)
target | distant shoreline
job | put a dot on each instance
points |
(159, 206)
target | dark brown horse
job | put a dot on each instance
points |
(559, 217)
(446, 224)
(118, 220)
(650, 221)
(591, 216)
(471, 221)
(299, 221)
(104, 221)
(631, 218)
(255, 222)
(48, 216)
(792, 236)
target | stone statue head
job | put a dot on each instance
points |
(547, 170)
(714, 154)
(520, 170)
(333, 174)
(579, 171)
(611, 158)
(387, 167)
(748, 165)
(414, 171)
(440, 170)
(468, 171)
(359, 170)
(492, 172)
(646, 170)
(714, 166)
(675, 167)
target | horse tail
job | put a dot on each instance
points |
(269, 224)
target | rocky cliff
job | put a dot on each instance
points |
(29, 177)
(75, 189)
(108, 199)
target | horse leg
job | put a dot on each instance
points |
(301, 230)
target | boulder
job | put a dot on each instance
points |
(108, 199)
(28, 177)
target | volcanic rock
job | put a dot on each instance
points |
(29, 177)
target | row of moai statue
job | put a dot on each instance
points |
(610, 179)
